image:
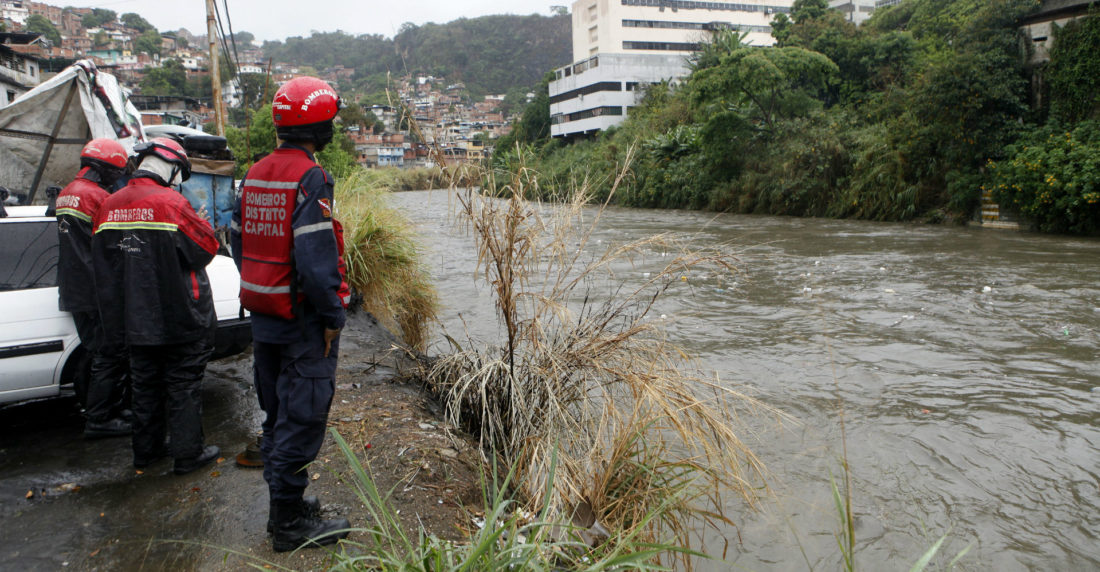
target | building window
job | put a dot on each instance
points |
(587, 90)
(727, 6)
(662, 46)
(707, 26)
(11, 96)
(609, 111)
(594, 34)
(593, 13)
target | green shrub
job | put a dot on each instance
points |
(1052, 177)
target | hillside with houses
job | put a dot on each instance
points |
(461, 90)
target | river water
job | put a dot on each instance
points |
(966, 362)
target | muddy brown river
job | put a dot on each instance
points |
(967, 361)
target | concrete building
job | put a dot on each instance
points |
(855, 11)
(666, 26)
(16, 11)
(1039, 26)
(19, 73)
(594, 94)
(619, 46)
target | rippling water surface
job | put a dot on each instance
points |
(966, 360)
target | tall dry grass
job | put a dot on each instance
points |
(643, 442)
(383, 260)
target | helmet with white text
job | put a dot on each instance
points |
(303, 110)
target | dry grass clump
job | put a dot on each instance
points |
(383, 260)
(642, 443)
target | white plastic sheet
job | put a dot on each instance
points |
(50, 124)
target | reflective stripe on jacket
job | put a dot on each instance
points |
(268, 198)
(77, 206)
(150, 252)
(314, 252)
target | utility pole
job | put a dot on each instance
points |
(215, 67)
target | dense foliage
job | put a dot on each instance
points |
(897, 119)
(1053, 177)
(491, 54)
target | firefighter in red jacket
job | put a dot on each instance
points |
(102, 162)
(285, 243)
(150, 253)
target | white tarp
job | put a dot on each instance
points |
(54, 121)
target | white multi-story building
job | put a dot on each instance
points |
(15, 10)
(855, 11)
(620, 46)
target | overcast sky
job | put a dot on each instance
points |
(279, 19)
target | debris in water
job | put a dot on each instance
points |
(987, 289)
(890, 291)
(30, 494)
(925, 411)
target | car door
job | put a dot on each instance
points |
(34, 335)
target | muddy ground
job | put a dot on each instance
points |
(67, 503)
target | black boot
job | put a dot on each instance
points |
(109, 428)
(311, 506)
(207, 456)
(295, 529)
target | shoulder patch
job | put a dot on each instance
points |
(326, 207)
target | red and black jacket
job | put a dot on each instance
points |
(150, 252)
(287, 246)
(77, 206)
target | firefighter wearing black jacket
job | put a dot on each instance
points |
(285, 243)
(102, 162)
(150, 253)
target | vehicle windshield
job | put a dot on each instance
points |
(28, 255)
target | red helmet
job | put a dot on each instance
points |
(167, 149)
(106, 151)
(305, 101)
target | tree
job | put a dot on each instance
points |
(101, 40)
(244, 38)
(135, 21)
(803, 10)
(169, 79)
(770, 83)
(149, 43)
(781, 29)
(98, 17)
(39, 24)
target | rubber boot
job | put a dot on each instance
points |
(208, 455)
(311, 506)
(108, 428)
(295, 529)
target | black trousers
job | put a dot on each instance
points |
(109, 379)
(295, 384)
(168, 397)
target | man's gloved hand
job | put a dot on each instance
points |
(329, 336)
